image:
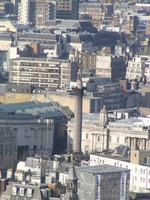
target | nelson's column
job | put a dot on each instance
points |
(77, 133)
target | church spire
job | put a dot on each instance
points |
(71, 190)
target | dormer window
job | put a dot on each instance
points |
(29, 192)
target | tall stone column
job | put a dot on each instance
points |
(79, 89)
(77, 122)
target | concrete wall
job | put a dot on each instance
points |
(27, 133)
(110, 186)
(11, 97)
(87, 184)
(139, 174)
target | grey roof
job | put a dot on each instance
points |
(68, 24)
(41, 59)
(129, 121)
(85, 24)
(122, 150)
(90, 117)
(143, 122)
(38, 36)
(103, 169)
(32, 110)
(19, 26)
(71, 25)
(82, 37)
(5, 36)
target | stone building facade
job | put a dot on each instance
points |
(31, 128)
(98, 134)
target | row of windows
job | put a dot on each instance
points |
(101, 161)
(142, 171)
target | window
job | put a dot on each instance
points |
(135, 178)
(22, 192)
(29, 192)
(86, 149)
(98, 138)
(135, 155)
(135, 187)
(123, 186)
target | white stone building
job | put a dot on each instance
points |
(98, 134)
(43, 72)
(135, 69)
(112, 67)
(25, 11)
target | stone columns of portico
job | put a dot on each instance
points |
(140, 143)
(143, 143)
(134, 143)
(147, 145)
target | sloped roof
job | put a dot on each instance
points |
(38, 36)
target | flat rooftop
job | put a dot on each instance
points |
(135, 121)
(103, 169)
